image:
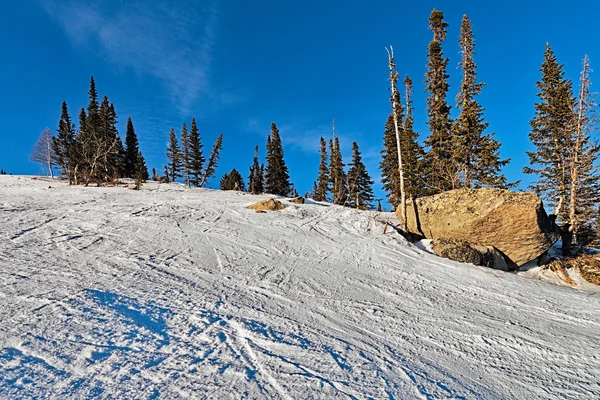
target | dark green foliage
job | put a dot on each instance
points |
(360, 185)
(255, 180)
(339, 187)
(63, 143)
(232, 181)
(154, 176)
(440, 166)
(166, 178)
(412, 152)
(186, 161)
(213, 160)
(278, 178)
(322, 184)
(131, 150)
(174, 157)
(476, 154)
(551, 130)
(195, 154)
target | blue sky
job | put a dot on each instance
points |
(237, 66)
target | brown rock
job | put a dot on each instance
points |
(267, 205)
(297, 200)
(457, 250)
(514, 223)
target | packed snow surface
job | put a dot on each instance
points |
(171, 292)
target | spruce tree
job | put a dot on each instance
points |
(278, 178)
(323, 179)
(186, 161)
(552, 128)
(118, 155)
(131, 149)
(255, 180)
(63, 142)
(213, 160)
(414, 154)
(232, 181)
(476, 154)
(196, 156)
(439, 161)
(166, 178)
(390, 176)
(174, 157)
(337, 174)
(360, 185)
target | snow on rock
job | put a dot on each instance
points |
(175, 293)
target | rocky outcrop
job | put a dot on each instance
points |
(457, 250)
(297, 200)
(267, 205)
(513, 223)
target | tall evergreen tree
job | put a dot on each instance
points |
(213, 160)
(323, 179)
(390, 176)
(196, 156)
(413, 152)
(337, 175)
(63, 142)
(441, 168)
(278, 178)
(583, 153)
(552, 128)
(476, 154)
(131, 149)
(186, 162)
(255, 180)
(118, 156)
(360, 185)
(174, 157)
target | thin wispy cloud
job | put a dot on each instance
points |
(159, 38)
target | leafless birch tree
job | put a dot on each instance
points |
(42, 151)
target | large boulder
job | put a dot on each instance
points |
(514, 223)
(267, 205)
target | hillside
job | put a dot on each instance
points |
(175, 293)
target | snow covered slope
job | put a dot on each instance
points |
(175, 293)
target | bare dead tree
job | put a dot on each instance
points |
(395, 99)
(42, 151)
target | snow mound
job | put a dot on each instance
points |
(175, 293)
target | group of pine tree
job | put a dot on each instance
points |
(93, 152)
(458, 152)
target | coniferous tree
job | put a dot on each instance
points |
(232, 181)
(166, 178)
(278, 178)
(118, 156)
(413, 152)
(131, 149)
(255, 180)
(323, 179)
(476, 154)
(213, 160)
(360, 185)
(196, 156)
(185, 155)
(337, 175)
(583, 154)
(439, 161)
(63, 142)
(551, 130)
(174, 157)
(390, 176)
(154, 176)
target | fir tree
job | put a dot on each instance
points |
(63, 142)
(551, 130)
(337, 174)
(232, 181)
(131, 149)
(322, 188)
(255, 180)
(278, 178)
(390, 176)
(141, 169)
(439, 161)
(196, 156)
(174, 157)
(413, 152)
(213, 160)
(360, 185)
(186, 162)
(476, 154)
(154, 176)
(166, 177)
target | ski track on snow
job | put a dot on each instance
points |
(171, 292)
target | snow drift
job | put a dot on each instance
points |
(175, 293)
